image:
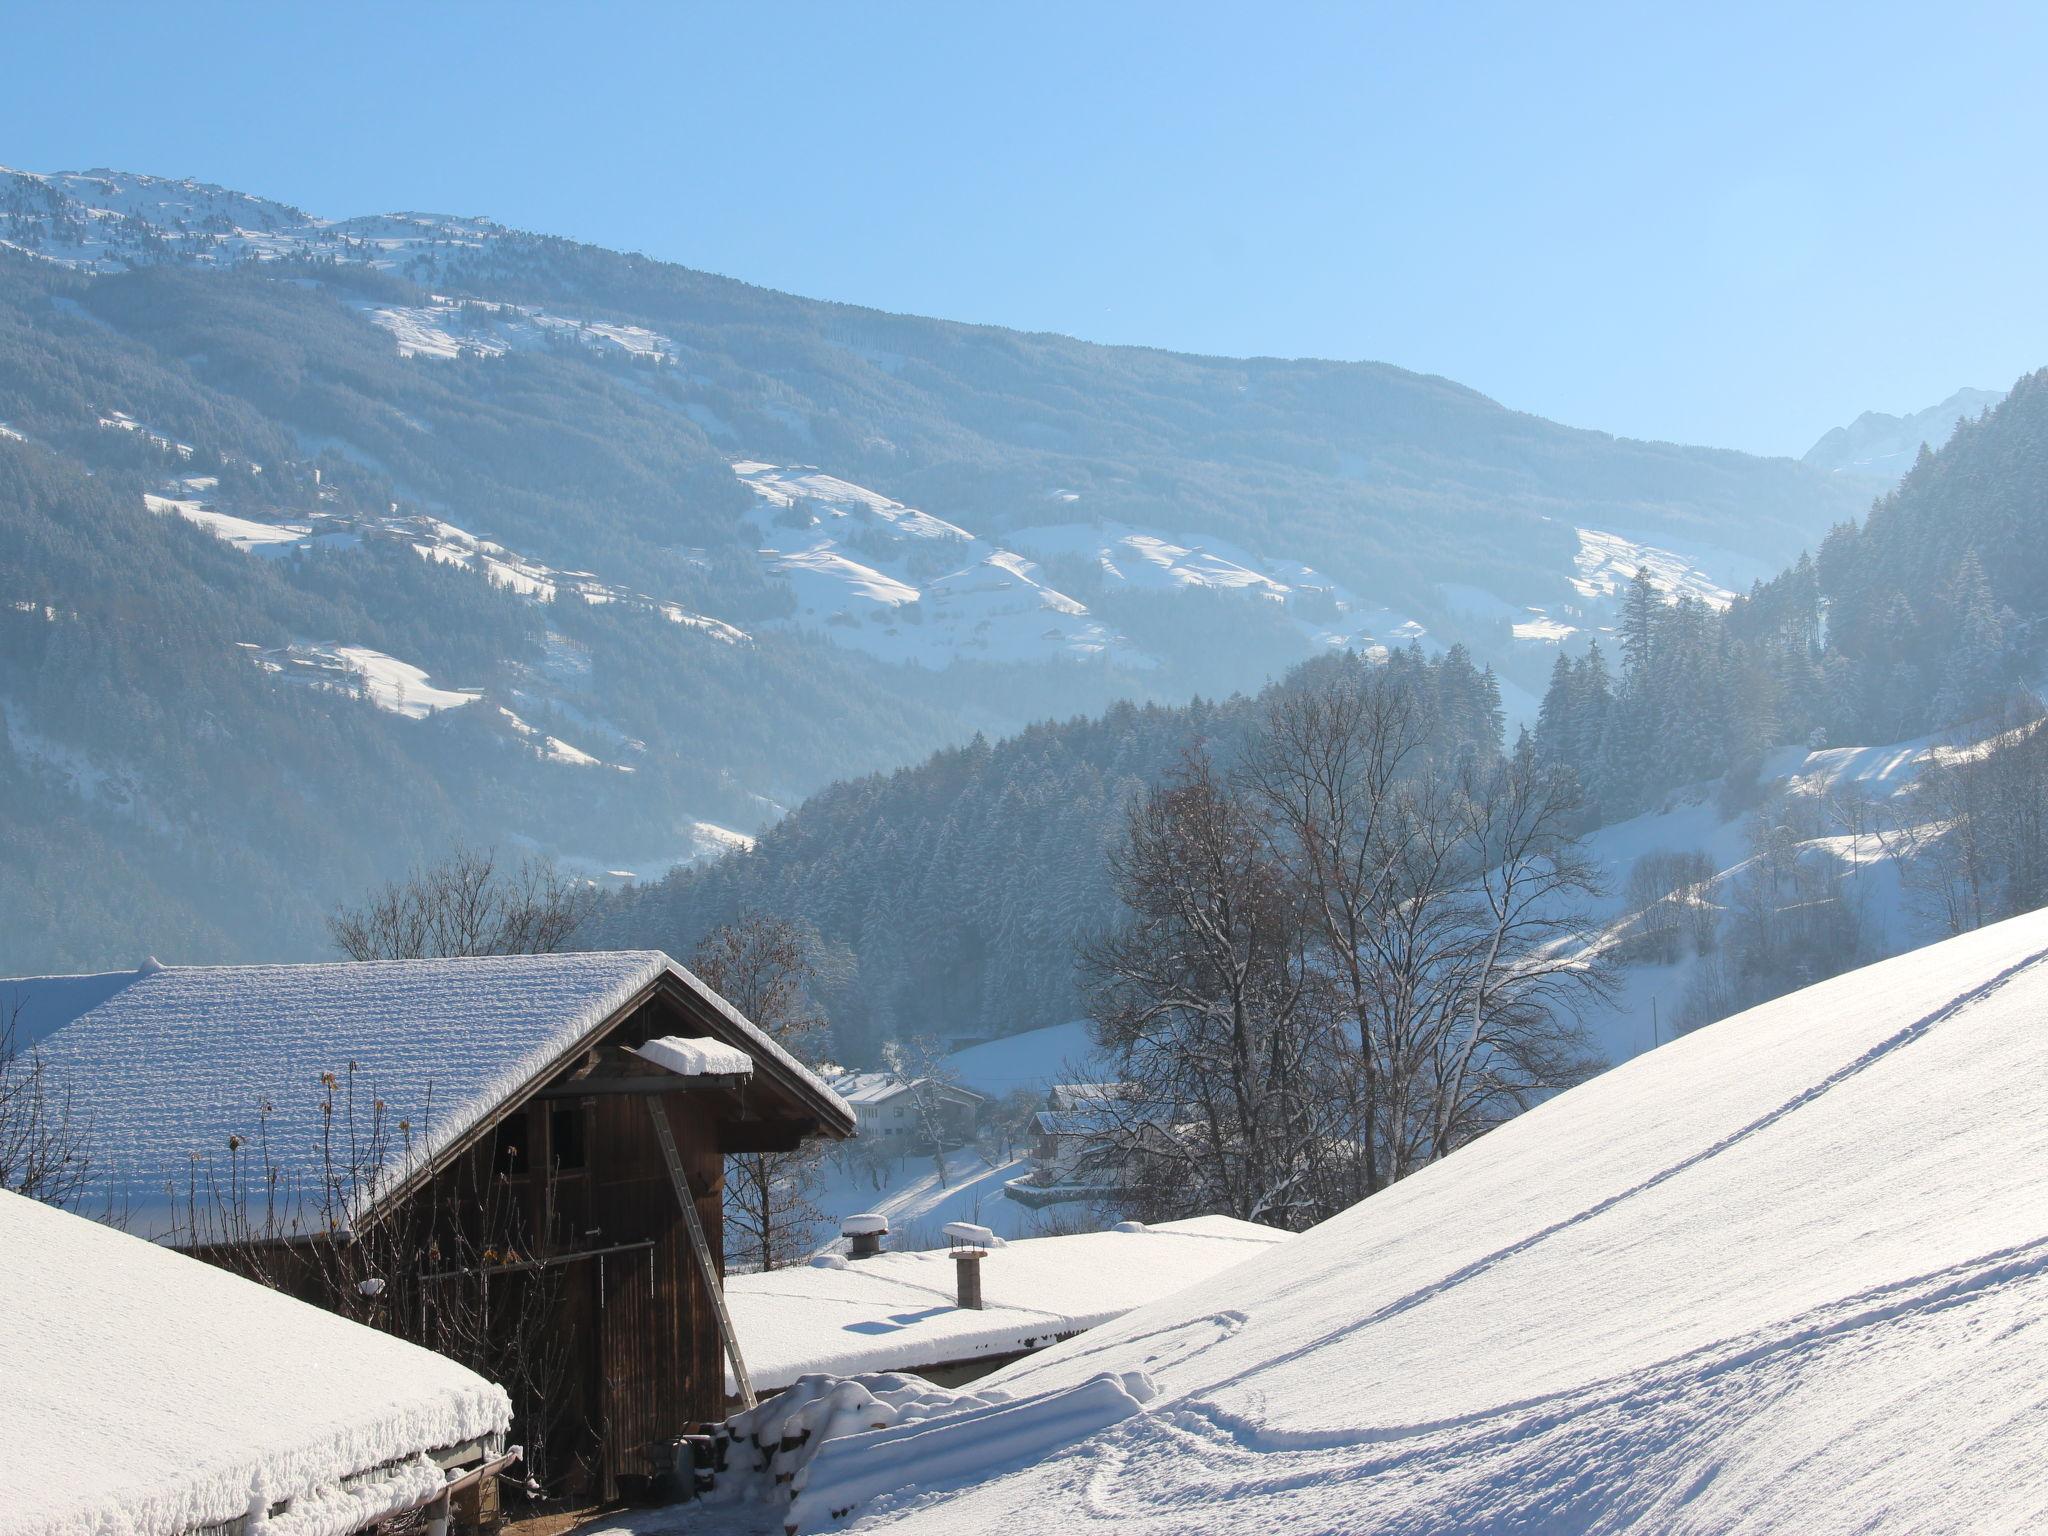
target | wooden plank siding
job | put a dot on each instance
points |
(644, 1362)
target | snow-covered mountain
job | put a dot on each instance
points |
(1785, 1274)
(106, 221)
(728, 544)
(1883, 446)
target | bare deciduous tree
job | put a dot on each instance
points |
(763, 965)
(1348, 960)
(921, 1062)
(1328, 770)
(453, 1269)
(467, 904)
(1206, 999)
(43, 1143)
(1666, 895)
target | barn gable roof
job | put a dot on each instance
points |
(182, 1059)
(35, 1007)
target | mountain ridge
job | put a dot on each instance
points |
(557, 432)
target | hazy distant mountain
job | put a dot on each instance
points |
(324, 541)
(1885, 446)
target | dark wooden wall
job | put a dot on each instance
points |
(626, 1302)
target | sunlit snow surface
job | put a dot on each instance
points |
(898, 1311)
(1789, 1274)
(898, 582)
(146, 1393)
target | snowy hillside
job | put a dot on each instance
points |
(729, 545)
(1815, 797)
(851, 574)
(1787, 1274)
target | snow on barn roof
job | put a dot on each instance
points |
(148, 1393)
(896, 1311)
(35, 1007)
(171, 1066)
(1786, 1273)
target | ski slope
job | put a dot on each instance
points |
(1789, 1273)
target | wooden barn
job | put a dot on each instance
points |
(484, 1156)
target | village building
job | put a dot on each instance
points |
(910, 1114)
(1086, 1144)
(514, 1160)
(144, 1392)
(903, 1311)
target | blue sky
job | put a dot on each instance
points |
(1733, 225)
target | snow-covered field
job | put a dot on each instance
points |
(449, 328)
(398, 687)
(919, 1203)
(904, 585)
(1032, 1061)
(1789, 1273)
(1134, 559)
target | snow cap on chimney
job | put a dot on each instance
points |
(150, 966)
(864, 1233)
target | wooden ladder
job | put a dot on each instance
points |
(707, 1265)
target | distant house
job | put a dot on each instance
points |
(483, 1154)
(1084, 1142)
(901, 1311)
(901, 1111)
(148, 1393)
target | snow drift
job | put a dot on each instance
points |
(1787, 1273)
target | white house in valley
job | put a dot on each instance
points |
(902, 1112)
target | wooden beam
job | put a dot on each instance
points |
(707, 1263)
(764, 1135)
(662, 1082)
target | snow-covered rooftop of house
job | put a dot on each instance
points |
(168, 1068)
(896, 1311)
(149, 1393)
(1787, 1273)
(859, 1088)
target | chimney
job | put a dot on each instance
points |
(864, 1234)
(970, 1244)
(967, 1273)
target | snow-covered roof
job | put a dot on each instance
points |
(148, 1393)
(696, 1056)
(859, 1088)
(1100, 1116)
(183, 1058)
(896, 1311)
(38, 1006)
(1789, 1273)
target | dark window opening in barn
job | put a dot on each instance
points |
(566, 1137)
(508, 1150)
